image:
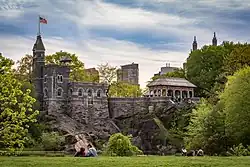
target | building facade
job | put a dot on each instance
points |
(52, 83)
(166, 69)
(129, 74)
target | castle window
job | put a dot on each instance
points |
(45, 78)
(90, 92)
(90, 101)
(98, 93)
(59, 78)
(45, 92)
(70, 91)
(59, 92)
(80, 92)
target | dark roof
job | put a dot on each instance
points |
(39, 44)
(171, 82)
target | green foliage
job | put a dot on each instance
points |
(120, 145)
(23, 71)
(16, 108)
(78, 72)
(121, 89)
(204, 67)
(52, 141)
(177, 73)
(206, 129)
(236, 101)
(196, 138)
(237, 59)
(240, 150)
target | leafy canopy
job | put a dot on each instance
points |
(121, 89)
(15, 108)
(237, 107)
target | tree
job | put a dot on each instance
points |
(15, 108)
(121, 89)
(236, 106)
(207, 130)
(78, 73)
(204, 67)
(177, 73)
(108, 74)
(237, 59)
(24, 68)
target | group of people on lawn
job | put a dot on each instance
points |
(90, 153)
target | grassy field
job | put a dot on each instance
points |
(150, 161)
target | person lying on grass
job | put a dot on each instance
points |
(80, 153)
(91, 151)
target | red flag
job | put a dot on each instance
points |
(43, 20)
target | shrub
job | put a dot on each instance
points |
(120, 145)
(52, 141)
(240, 150)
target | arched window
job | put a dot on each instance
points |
(59, 78)
(45, 78)
(190, 94)
(170, 93)
(80, 92)
(70, 91)
(45, 92)
(90, 92)
(59, 92)
(98, 94)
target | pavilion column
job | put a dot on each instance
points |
(181, 94)
(188, 95)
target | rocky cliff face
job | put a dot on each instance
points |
(79, 123)
(82, 124)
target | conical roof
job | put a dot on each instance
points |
(39, 44)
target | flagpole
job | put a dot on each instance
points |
(39, 29)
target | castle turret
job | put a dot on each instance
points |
(195, 44)
(38, 69)
(214, 41)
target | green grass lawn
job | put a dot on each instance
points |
(149, 161)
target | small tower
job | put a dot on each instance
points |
(38, 69)
(214, 41)
(195, 44)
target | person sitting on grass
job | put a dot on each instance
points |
(91, 151)
(80, 153)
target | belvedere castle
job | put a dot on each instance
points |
(82, 108)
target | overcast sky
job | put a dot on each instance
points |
(149, 32)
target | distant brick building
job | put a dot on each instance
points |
(128, 73)
(94, 73)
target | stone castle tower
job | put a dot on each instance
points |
(38, 69)
(214, 40)
(195, 44)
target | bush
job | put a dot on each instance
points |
(52, 141)
(120, 145)
(240, 150)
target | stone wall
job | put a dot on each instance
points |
(123, 107)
